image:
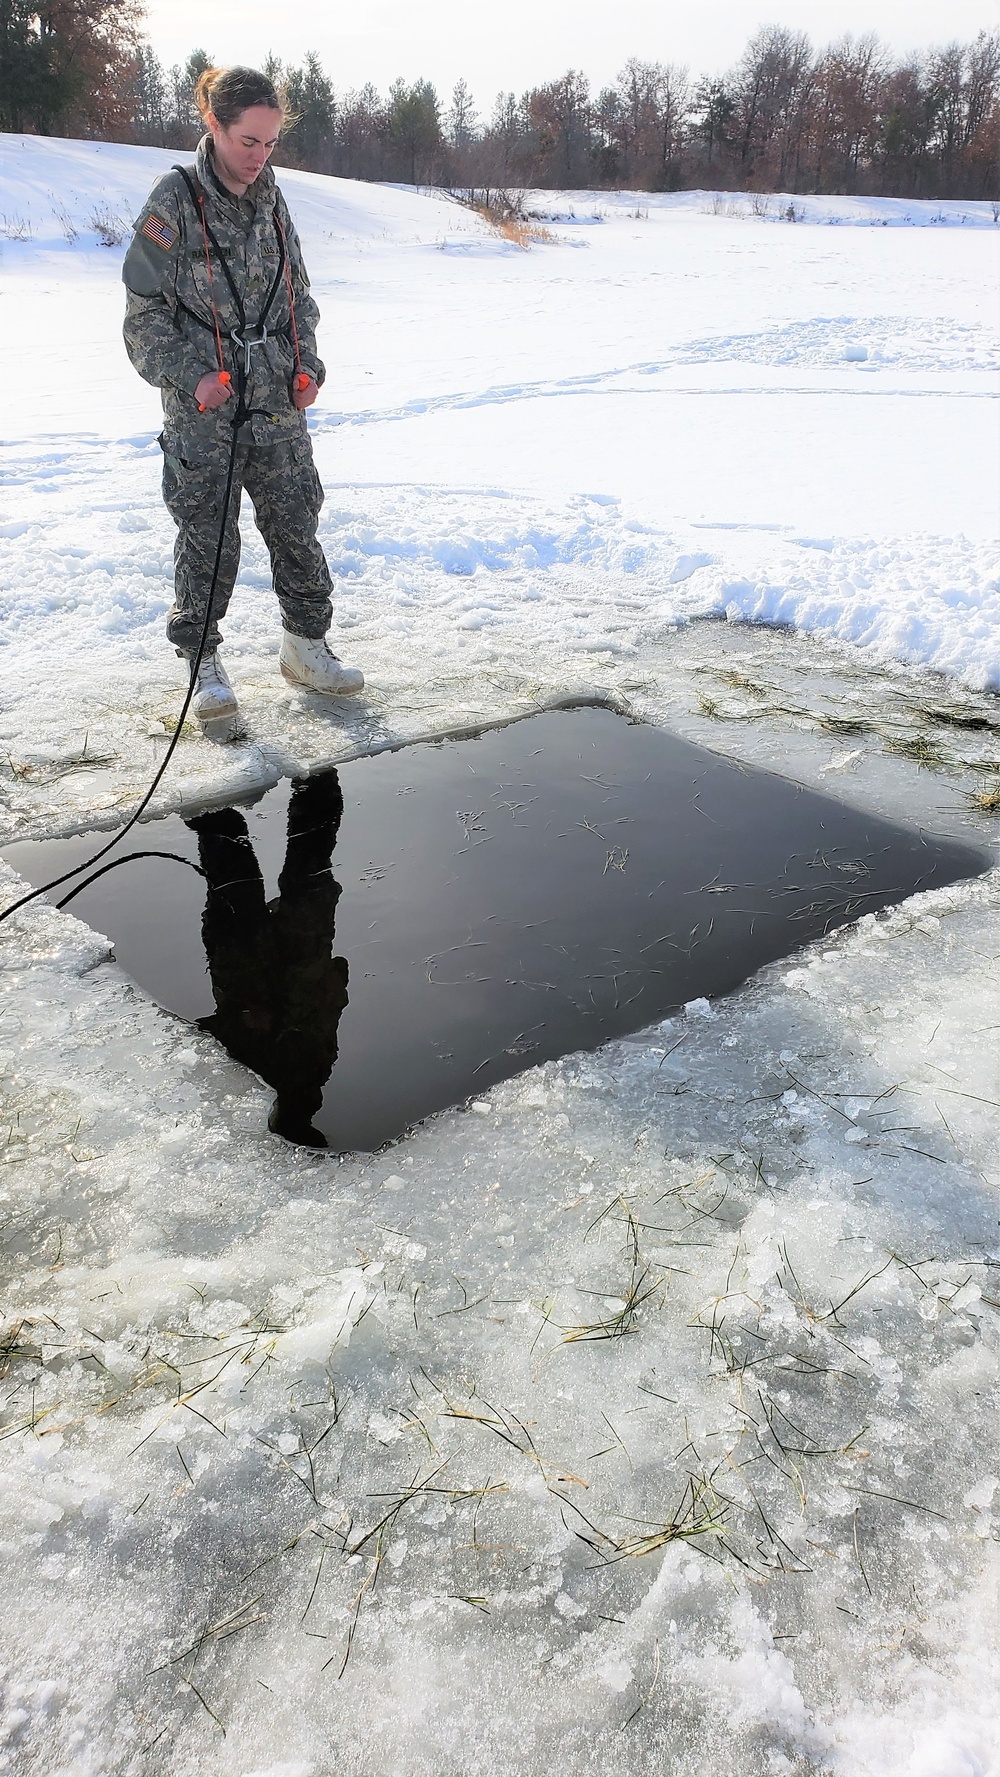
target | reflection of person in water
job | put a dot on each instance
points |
(278, 991)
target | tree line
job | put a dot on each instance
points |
(787, 117)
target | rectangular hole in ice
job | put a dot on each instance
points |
(395, 936)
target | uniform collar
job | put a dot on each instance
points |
(260, 193)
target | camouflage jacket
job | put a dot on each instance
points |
(169, 333)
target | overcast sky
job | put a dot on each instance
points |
(520, 43)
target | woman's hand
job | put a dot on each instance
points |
(304, 391)
(212, 391)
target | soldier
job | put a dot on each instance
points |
(219, 316)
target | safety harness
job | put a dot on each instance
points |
(248, 334)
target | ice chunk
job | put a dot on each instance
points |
(334, 1312)
(700, 1008)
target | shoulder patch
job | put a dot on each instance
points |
(162, 234)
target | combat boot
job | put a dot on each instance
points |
(214, 702)
(310, 664)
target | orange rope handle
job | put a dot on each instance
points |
(211, 285)
(291, 294)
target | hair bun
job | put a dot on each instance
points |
(202, 91)
(227, 92)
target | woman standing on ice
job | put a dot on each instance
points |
(220, 318)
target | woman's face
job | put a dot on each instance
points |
(243, 148)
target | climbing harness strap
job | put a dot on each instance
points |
(211, 279)
(246, 340)
(248, 334)
(291, 294)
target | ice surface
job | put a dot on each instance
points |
(776, 1222)
(722, 1291)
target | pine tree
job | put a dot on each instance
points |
(713, 115)
(415, 124)
(151, 92)
(312, 116)
(460, 122)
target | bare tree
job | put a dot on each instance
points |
(770, 90)
(850, 86)
(560, 116)
(963, 81)
(635, 114)
(981, 135)
(673, 100)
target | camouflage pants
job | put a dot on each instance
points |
(287, 494)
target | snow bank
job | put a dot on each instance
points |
(63, 191)
(778, 206)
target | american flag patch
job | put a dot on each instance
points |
(155, 229)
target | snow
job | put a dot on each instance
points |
(665, 1369)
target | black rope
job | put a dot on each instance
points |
(58, 881)
(131, 857)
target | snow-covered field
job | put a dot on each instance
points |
(637, 1417)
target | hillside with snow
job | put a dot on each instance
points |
(318, 1462)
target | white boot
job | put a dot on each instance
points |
(214, 702)
(310, 664)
